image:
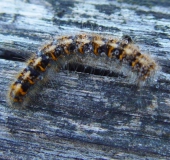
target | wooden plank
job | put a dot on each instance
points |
(81, 115)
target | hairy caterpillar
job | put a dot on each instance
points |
(122, 50)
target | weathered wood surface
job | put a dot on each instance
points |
(80, 115)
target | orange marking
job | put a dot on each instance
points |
(96, 46)
(21, 92)
(53, 56)
(97, 42)
(66, 50)
(110, 52)
(134, 63)
(17, 88)
(121, 56)
(111, 46)
(137, 60)
(30, 81)
(80, 49)
(41, 68)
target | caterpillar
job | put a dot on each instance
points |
(114, 49)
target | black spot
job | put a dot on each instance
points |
(39, 53)
(138, 66)
(45, 61)
(18, 82)
(128, 38)
(125, 41)
(72, 47)
(34, 73)
(103, 49)
(138, 54)
(59, 51)
(117, 52)
(87, 48)
(25, 86)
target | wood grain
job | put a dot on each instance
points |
(78, 115)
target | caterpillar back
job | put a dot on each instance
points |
(83, 45)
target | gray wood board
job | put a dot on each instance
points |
(81, 115)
